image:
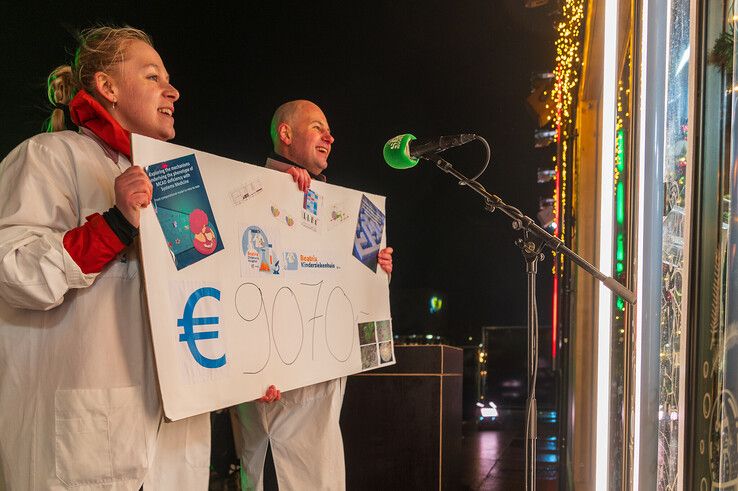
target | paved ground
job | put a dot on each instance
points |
(494, 459)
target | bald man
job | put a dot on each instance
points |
(301, 425)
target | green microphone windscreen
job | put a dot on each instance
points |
(397, 152)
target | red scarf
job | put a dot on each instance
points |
(86, 111)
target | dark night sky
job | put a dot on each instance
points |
(377, 69)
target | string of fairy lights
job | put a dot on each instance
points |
(566, 78)
(560, 107)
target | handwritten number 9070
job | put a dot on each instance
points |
(283, 324)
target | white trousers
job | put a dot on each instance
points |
(182, 456)
(304, 433)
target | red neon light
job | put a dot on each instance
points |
(554, 319)
(557, 233)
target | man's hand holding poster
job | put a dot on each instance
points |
(251, 282)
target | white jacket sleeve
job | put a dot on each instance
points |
(38, 204)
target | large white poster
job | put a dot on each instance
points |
(251, 282)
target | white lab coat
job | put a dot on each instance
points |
(79, 403)
(304, 433)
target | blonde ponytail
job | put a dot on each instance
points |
(60, 90)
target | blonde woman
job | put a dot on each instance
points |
(79, 404)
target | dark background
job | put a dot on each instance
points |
(377, 69)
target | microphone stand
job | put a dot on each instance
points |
(532, 243)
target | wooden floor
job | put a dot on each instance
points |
(494, 459)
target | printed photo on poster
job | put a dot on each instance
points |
(337, 215)
(259, 256)
(384, 330)
(369, 356)
(367, 333)
(312, 205)
(183, 210)
(385, 352)
(369, 229)
(246, 191)
(386, 341)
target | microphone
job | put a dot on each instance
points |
(404, 151)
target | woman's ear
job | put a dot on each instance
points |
(106, 88)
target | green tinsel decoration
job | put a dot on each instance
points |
(722, 51)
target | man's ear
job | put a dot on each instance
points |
(106, 88)
(285, 133)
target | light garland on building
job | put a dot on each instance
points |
(566, 79)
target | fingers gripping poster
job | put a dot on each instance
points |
(251, 282)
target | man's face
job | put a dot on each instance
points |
(311, 138)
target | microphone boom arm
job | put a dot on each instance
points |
(527, 224)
